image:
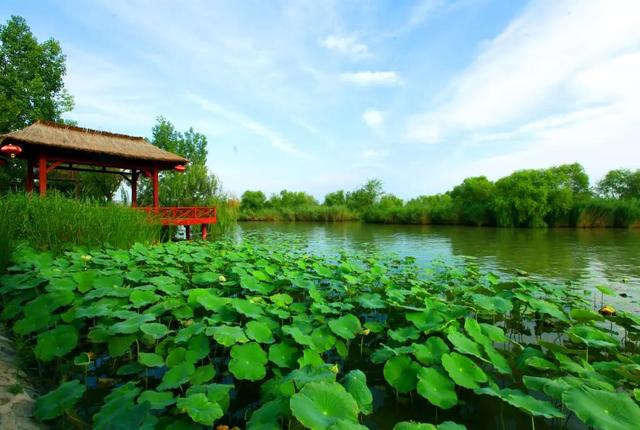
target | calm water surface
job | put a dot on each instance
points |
(592, 256)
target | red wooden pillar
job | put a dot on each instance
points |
(29, 184)
(134, 188)
(42, 174)
(187, 229)
(204, 232)
(154, 179)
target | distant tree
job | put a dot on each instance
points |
(389, 201)
(620, 184)
(99, 186)
(473, 200)
(195, 186)
(291, 199)
(252, 200)
(31, 86)
(366, 196)
(336, 198)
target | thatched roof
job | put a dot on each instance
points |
(52, 136)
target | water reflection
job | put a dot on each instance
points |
(592, 256)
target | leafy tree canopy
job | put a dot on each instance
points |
(252, 200)
(620, 184)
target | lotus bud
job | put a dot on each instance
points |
(366, 332)
(86, 258)
(335, 369)
(221, 278)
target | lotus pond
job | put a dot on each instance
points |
(259, 334)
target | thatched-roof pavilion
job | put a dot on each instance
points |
(47, 146)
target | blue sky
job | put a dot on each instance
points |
(322, 95)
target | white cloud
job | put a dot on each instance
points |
(345, 45)
(373, 118)
(374, 153)
(536, 65)
(274, 138)
(372, 78)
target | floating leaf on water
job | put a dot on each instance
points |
(347, 327)
(437, 388)
(401, 373)
(248, 362)
(200, 408)
(54, 403)
(319, 405)
(463, 370)
(603, 409)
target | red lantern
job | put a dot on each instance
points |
(179, 168)
(11, 150)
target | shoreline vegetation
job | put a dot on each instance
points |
(535, 198)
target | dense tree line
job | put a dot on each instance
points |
(557, 196)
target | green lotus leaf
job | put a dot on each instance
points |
(437, 388)
(267, 416)
(411, 425)
(355, 383)
(347, 327)
(492, 304)
(474, 330)
(54, 403)
(426, 320)
(401, 373)
(197, 348)
(449, 425)
(404, 334)
(375, 326)
(176, 376)
(540, 363)
(247, 308)
(259, 331)
(283, 354)
(347, 425)
(281, 299)
(186, 333)
(140, 298)
(155, 330)
(605, 290)
(463, 370)
(56, 342)
(176, 356)
(252, 284)
(119, 408)
(310, 358)
(120, 345)
(157, 399)
(209, 301)
(530, 404)
(463, 344)
(430, 352)
(323, 271)
(603, 409)
(248, 362)
(585, 315)
(82, 359)
(202, 374)
(592, 337)
(200, 408)
(322, 339)
(130, 325)
(319, 405)
(371, 301)
(85, 279)
(496, 334)
(497, 359)
(205, 278)
(228, 336)
(150, 359)
(545, 307)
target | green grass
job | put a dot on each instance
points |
(56, 223)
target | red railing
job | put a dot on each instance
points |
(183, 215)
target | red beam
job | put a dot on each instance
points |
(42, 174)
